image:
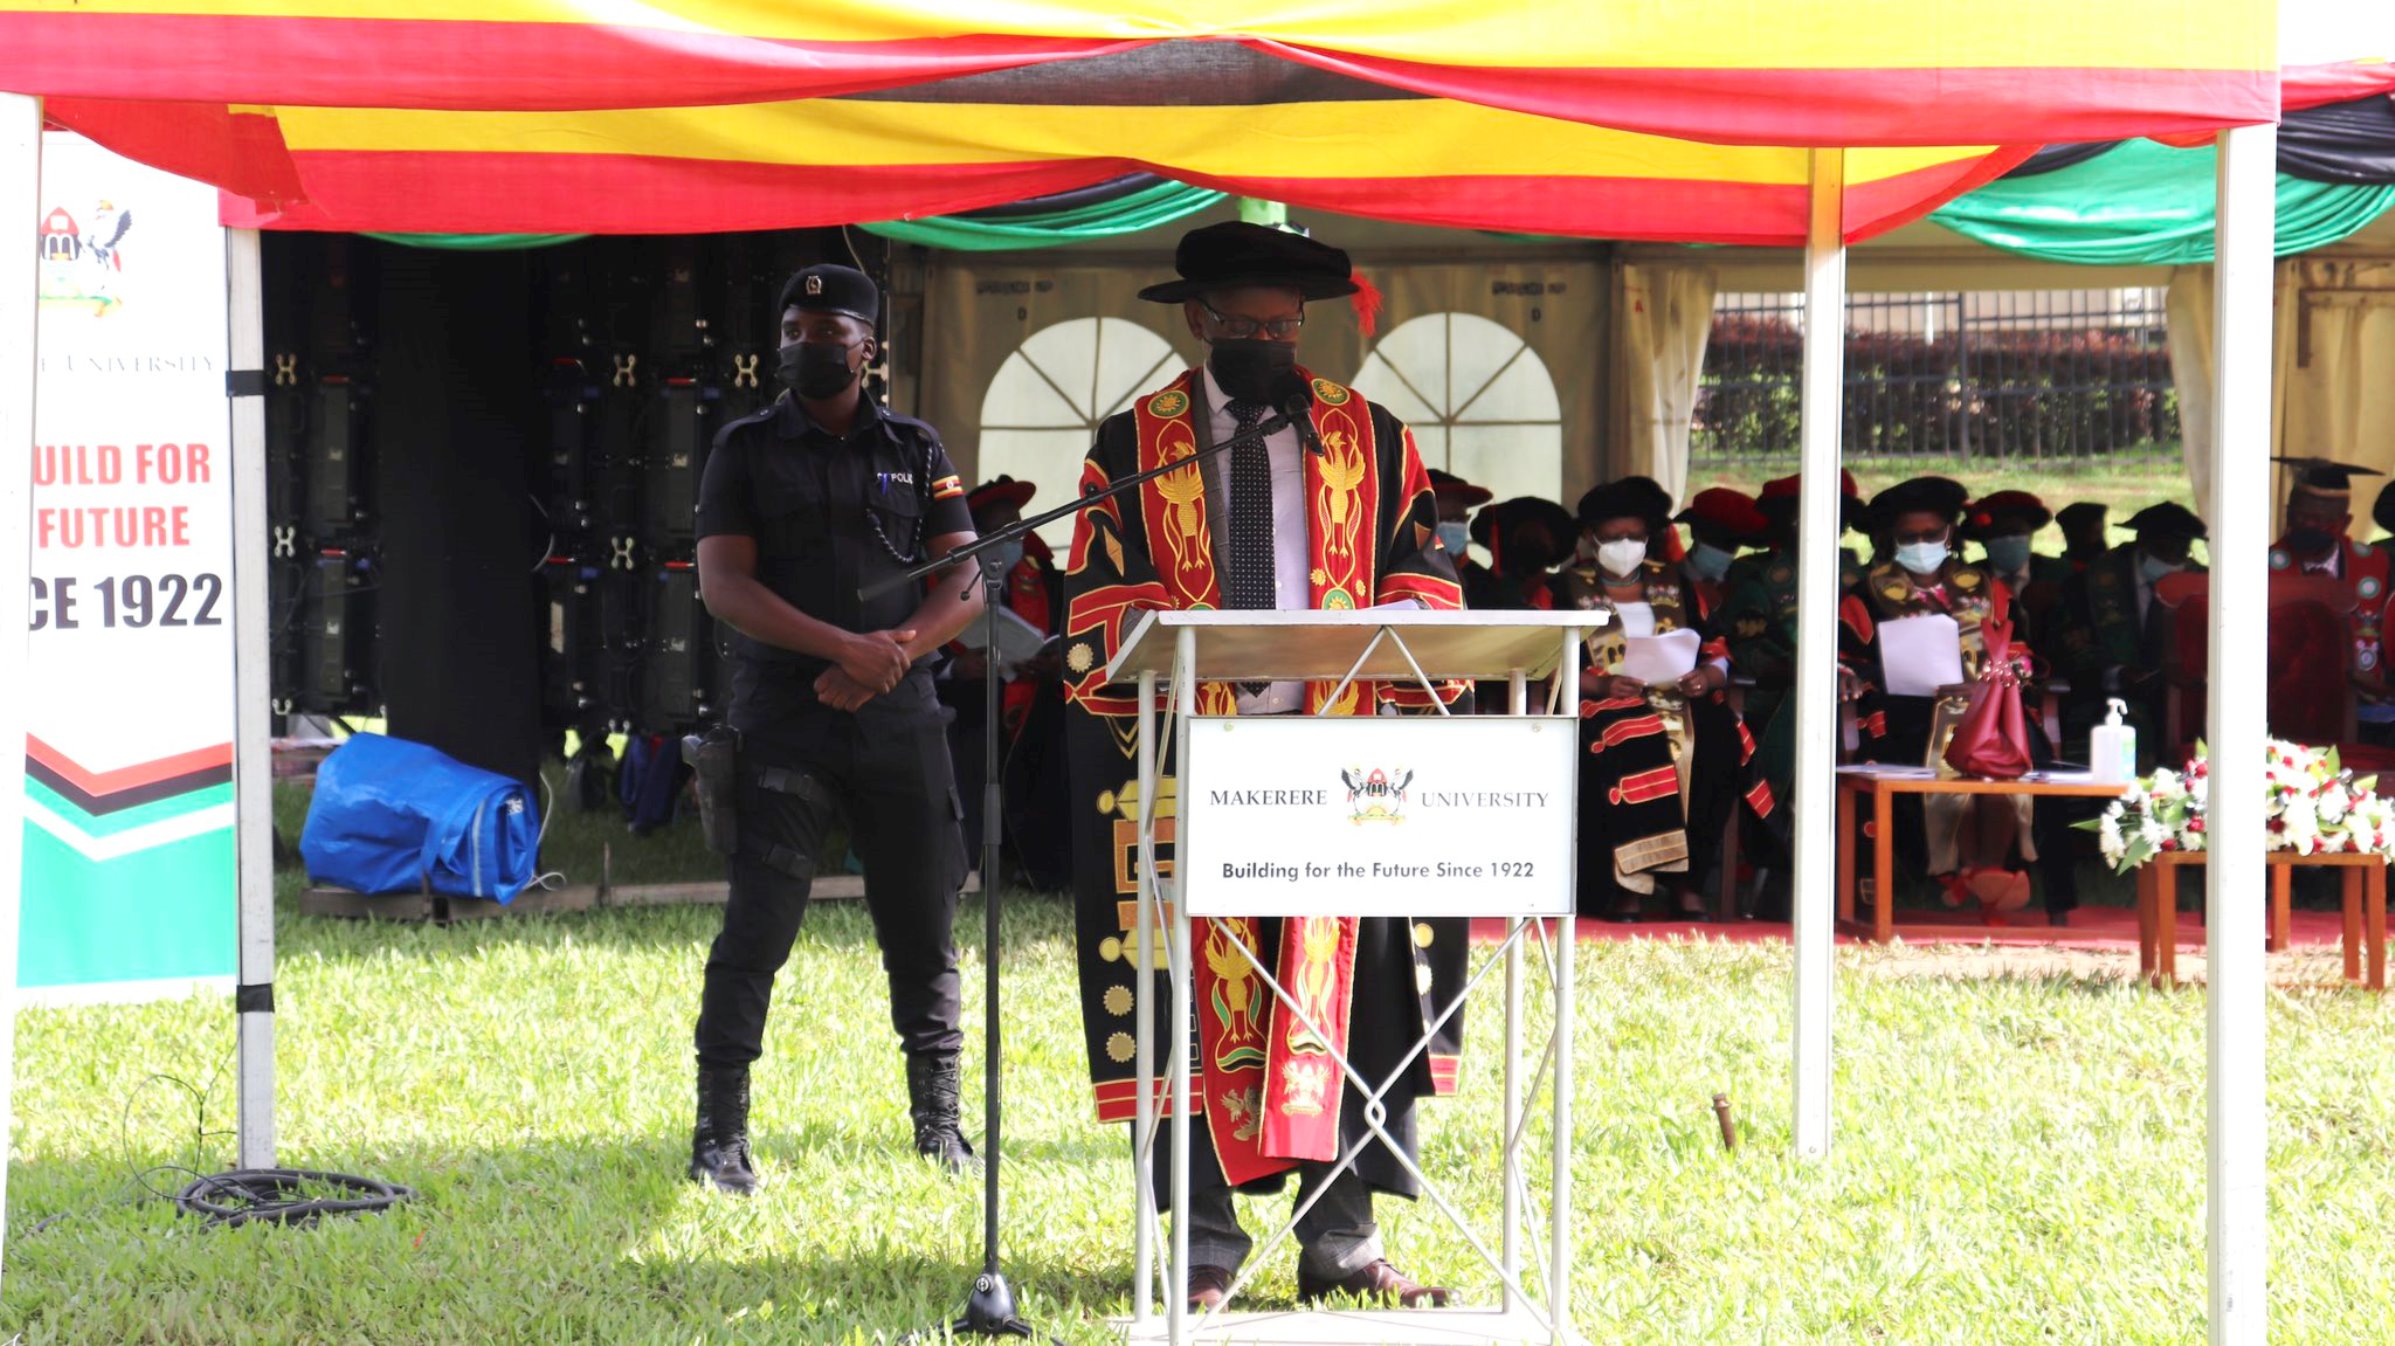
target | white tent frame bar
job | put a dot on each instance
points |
(2237, 728)
(2237, 1234)
(253, 761)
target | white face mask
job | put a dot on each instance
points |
(1922, 558)
(1621, 557)
(1456, 537)
(1008, 555)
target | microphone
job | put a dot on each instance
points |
(1298, 406)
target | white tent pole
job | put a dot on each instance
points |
(21, 189)
(253, 768)
(1817, 637)
(2236, 729)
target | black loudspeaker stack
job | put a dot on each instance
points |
(645, 348)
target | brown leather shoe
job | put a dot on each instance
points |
(1208, 1288)
(1379, 1283)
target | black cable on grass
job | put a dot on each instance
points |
(282, 1196)
(285, 1196)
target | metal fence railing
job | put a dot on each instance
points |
(1969, 375)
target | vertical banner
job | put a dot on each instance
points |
(128, 874)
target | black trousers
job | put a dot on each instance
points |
(885, 771)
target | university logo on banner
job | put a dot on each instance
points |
(129, 881)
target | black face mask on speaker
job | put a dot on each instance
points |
(1252, 369)
(2308, 541)
(817, 371)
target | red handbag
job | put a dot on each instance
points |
(1992, 741)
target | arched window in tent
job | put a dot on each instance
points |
(1480, 402)
(1044, 404)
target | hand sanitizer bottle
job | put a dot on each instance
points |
(2112, 747)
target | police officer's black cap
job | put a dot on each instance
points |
(831, 288)
(1234, 254)
(1629, 498)
(2167, 520)
(1942, 496)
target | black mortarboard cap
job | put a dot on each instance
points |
(2322, 476)
(2168, 519)
(1235, 253)
(832, 288)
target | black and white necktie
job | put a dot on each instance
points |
(1252, 583)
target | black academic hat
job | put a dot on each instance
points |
(2167, 520)
(2080, 514)
(2323, 478)
(1235, 253)
(1500, 524)
(2383, 511)
(1628, 498)
(1448, 486)
(831, 288)
(1942, 496)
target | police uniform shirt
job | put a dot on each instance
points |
(831, 515)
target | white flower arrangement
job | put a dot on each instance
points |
(2317, 807)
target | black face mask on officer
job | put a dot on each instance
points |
(818, 370)
(1253, 369)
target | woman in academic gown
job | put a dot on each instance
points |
(1662, 763)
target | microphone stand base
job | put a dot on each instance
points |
(989, 1312)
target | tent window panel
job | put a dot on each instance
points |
(1022, 395)
(1378, 381)
(1480, 352)
(1482, 404)
(1041, 411)
(1510, 460)
(1050, 458)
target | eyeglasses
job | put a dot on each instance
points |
(1243, 329)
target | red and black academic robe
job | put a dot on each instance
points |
(1660, 772)
(1271, 1098)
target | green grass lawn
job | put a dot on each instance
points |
(2017, 1160)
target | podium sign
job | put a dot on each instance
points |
(1378, 816)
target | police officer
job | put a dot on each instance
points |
(801, 505)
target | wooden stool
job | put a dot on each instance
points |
(2365, 912)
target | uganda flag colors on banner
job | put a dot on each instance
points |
(1626, 120)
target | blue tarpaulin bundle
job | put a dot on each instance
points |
(390, 816)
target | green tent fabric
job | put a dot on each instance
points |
(1146, 209)
(478, 242)
(2144, 204)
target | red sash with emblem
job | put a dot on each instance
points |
(1272, 1091)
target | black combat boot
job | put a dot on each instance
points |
(719, 1143)
(931, 1090)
